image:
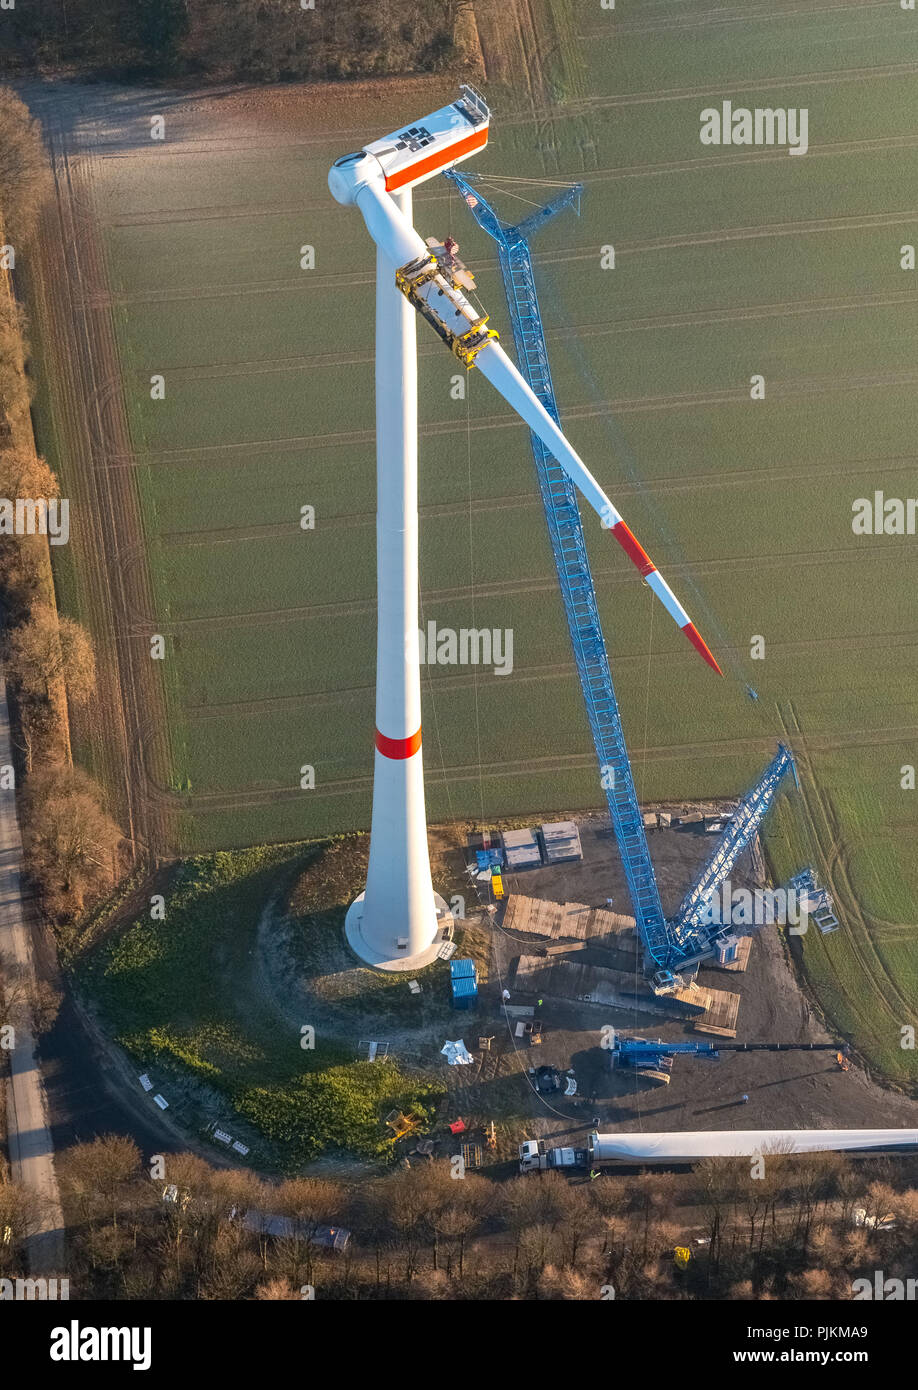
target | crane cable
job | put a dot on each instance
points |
(573, 346)
(653, 609)
(428, 679)
(458, 828)
(468, 450)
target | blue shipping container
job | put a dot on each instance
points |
(465, 993)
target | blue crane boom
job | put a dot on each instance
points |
(687, 937)
(646, 1052)
(688, 923)
(653, 1058)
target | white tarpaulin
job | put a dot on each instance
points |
(456, 1053)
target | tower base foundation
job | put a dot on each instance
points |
(401, 962)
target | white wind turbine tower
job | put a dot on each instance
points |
(395, 923)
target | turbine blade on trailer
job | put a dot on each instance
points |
(496, 366)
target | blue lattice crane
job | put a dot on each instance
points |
(689, 922)
(687, 938)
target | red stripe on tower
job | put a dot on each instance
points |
(398, 747)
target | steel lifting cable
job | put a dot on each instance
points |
(429, 681)
(516, 178)
(429, 684)
(431, 693)
(428, 678)
(528, 201)
(468, 450)
(653, 608)
(572, 344)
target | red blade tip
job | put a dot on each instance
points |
(701, 645)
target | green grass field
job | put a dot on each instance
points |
(729, 262)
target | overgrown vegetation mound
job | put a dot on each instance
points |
(181, 992)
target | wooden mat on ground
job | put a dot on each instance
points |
(567, 921)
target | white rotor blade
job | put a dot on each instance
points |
(401, 244)
(388, 226)
(494, 364)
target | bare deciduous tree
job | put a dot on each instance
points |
(71, 842)
(25, 178)
(24, 474)
(99, 1175)
(46, 649)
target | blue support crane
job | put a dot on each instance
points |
(654, 1058)
(687, 938)
(688, 925)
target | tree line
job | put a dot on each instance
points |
(198, 1232)
(71, 844)
(232, 40)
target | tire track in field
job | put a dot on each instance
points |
(552, 671)
(289, 530)
(539, 108)
(460, 773)
(834, 861)
(498, 590)
(440, 194)
(781, 389)
(73, 102)
(677, 240)
(613, 101)
(750, 313)
(533, 584)
(721, 17)
(881, 928)
(663, 486)
(212, 802)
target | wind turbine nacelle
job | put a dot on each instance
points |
(415, 153)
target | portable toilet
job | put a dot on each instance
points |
(464, 981)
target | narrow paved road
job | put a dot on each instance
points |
(30, 1143)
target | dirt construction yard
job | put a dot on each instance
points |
(790, 1090)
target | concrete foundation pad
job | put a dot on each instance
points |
(402, 963)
